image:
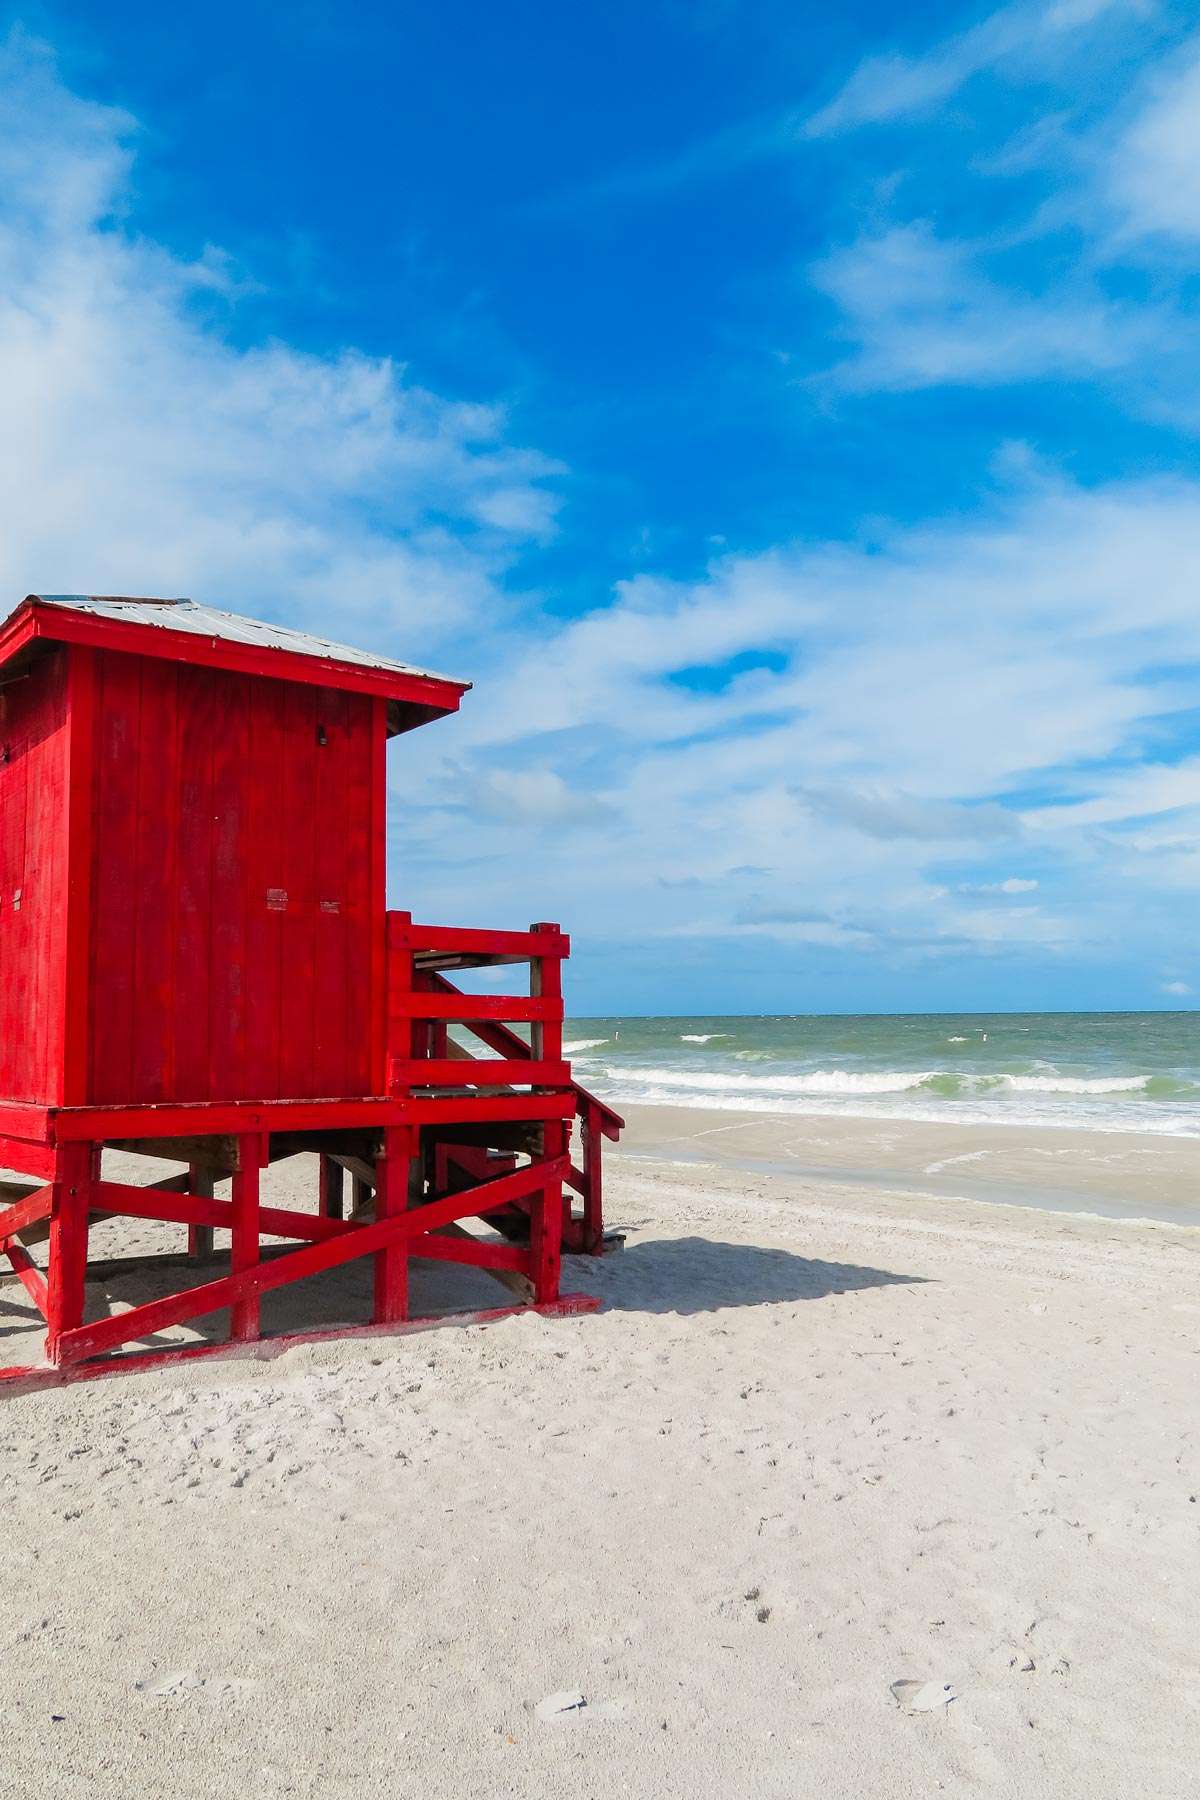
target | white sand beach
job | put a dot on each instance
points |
(827, 1434)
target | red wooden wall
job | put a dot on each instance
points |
(236, 886)
(34, 746)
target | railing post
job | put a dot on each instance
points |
(545, 983)
(401, 1033)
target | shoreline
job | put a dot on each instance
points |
(1135, 1178)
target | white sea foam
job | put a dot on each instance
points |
(700, 1037)
(1073, 1084)
(579, 1044)
(821, 1081)
(1140, 1117)
(956, 1040)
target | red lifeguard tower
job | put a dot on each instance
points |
(197, 963)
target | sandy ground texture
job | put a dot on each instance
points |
(824, 1436)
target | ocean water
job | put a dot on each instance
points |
(1101, 1071)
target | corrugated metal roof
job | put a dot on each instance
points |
(209, 622)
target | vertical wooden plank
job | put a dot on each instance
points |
(265, 889)
(364, 922)
(402, 1036)
(80, 811)
(114, 947)
(196, 696)
(73, 1173)
(336, 855)
(391, 1197)
(332, 1188)
(227, 935)
(375, 900)
(155, 887)
(299, 905)
(244, 1249)
(200, 1237)
(43, 913)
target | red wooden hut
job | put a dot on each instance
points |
(197, 963)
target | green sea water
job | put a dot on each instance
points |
(1106, 1071)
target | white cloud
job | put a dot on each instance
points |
(1014, 884)
(893, 86)
(1176, 987)
(1154, 169)
(928, 685)
(142, 452)
(923, 315)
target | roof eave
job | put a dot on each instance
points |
(418, 698)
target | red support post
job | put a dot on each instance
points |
(244, 1221)
(75, 1167)
(391, 1198)
(333, 1186)
(546, 1221)
(200, 1237)
(593, 1194)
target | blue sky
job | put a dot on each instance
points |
(788, 417)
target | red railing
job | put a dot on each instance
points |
(422, 1005)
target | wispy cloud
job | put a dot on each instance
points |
(894, 86)
(1154, 169)
(923, 315)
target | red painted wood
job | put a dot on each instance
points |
(27, 1158)
(228, 974)
(546, 1218)
(453, 1109)
(332, 1188)
(154, 831)
(433, 693)
(466, 1007)
(260, 1278)
(473, 1252)
(232, 877)
(498, 1037)
(202, 1211)
(29, 1211)
(374, 1004)
(243, 1251)
(199, 1181)
(391, 1200)
(199, 722)
(464, 941)
(68, 1244)
(29, 1276)
(114, 875)
(332, 871)
(34, 747)
(80, 802)
(216, 1118)
(485, 1072)
(264, 878)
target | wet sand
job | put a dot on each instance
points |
(1114, 1175)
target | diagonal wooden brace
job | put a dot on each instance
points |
(260, 1278)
